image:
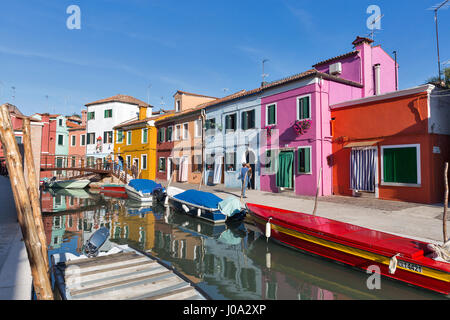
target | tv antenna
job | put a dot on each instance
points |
(162, 102)
(13, 92)
(372, 24)
(443, 5)
(225, 90)
(264, 75)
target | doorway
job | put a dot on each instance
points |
(285, 172)
(363, 169)
(251, 159)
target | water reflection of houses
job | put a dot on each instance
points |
(60, 200)
(196, 249)
(135, 230)
(61, 228)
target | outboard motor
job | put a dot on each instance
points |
(92, 246)
(159, 194)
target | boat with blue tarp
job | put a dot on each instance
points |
(144, 190)
(205, 205)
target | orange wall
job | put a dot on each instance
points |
(394, 122)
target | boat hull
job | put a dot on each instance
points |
(192, 210)
(118, 188)
(355, 256)
(70, 184)
(138, 195)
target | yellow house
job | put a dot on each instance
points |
(135, 142)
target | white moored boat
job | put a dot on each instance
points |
(143, 190)
(68, 184)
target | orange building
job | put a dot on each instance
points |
(392, 146)
(184, 128)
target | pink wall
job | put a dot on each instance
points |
(358, 68)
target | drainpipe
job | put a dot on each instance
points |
(203, 116)
(321, 132)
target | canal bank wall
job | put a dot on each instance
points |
(15, 272)
(412, 220)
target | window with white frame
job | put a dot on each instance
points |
(128, 137)
(144, 162)
(304, 107)
(304, 160)
(91, 138)
(401, 164)
(178, 132)
(73, 141)
(177, 106)
(230, 161)
(119, 137)
(169, 134)
(162, 165)
(198, 128)
(271, 114)
(185, 131)
(60, 140)
(144, 135)
(161, 134)
(230, 122)
(83, 140)
(128, 157)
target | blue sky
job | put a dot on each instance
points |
(209, 47)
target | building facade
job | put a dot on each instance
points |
(392, 146)
(77, 140)
(102, 116)
(296, 152)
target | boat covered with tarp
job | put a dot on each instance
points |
(144, 190)
(411, 261)
(206, 205)
(66, 184)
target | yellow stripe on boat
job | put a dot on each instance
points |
(428, 272)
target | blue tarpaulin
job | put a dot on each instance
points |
(144, 185)
(201, 198)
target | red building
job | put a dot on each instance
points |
(165, 164)
(77, 138)
(392, 146)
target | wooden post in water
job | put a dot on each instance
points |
(444, 216)
(33, 188)
(317, 191)
(39, 269)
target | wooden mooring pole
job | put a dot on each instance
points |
(24, 208)
(33, 188)
(317, 191)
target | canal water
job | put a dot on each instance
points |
(227, 261)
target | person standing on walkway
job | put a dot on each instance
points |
(243, 176)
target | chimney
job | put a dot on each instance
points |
(364, 46)
(377, 81)
(83, 117)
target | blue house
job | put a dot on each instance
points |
(232, 137)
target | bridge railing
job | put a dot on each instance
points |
(67, 166)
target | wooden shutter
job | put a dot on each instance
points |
(304, 160)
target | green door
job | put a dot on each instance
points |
(285, 169)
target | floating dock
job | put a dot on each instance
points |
(122, 276)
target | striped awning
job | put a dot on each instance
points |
(356, 144)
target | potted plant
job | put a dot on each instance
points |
(301, 126)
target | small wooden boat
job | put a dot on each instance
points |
(205, 205)
(67, 184)
(407, 260)
(121, 273)
(144, 189)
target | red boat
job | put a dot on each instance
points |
(114, 191)
(407, 260)
(119, 188)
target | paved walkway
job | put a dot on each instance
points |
(419, 221)
(15, 273)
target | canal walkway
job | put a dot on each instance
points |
(413, 220)
(15, 272)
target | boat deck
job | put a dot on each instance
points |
(125, 276)
(349, 234)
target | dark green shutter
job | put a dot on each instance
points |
(251, 124)
(304, 160)
(244, 121)
(400, 165)
(271, 114)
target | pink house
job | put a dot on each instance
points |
(299, 118)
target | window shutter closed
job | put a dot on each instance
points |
(244, 123)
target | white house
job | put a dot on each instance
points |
(102, 116)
